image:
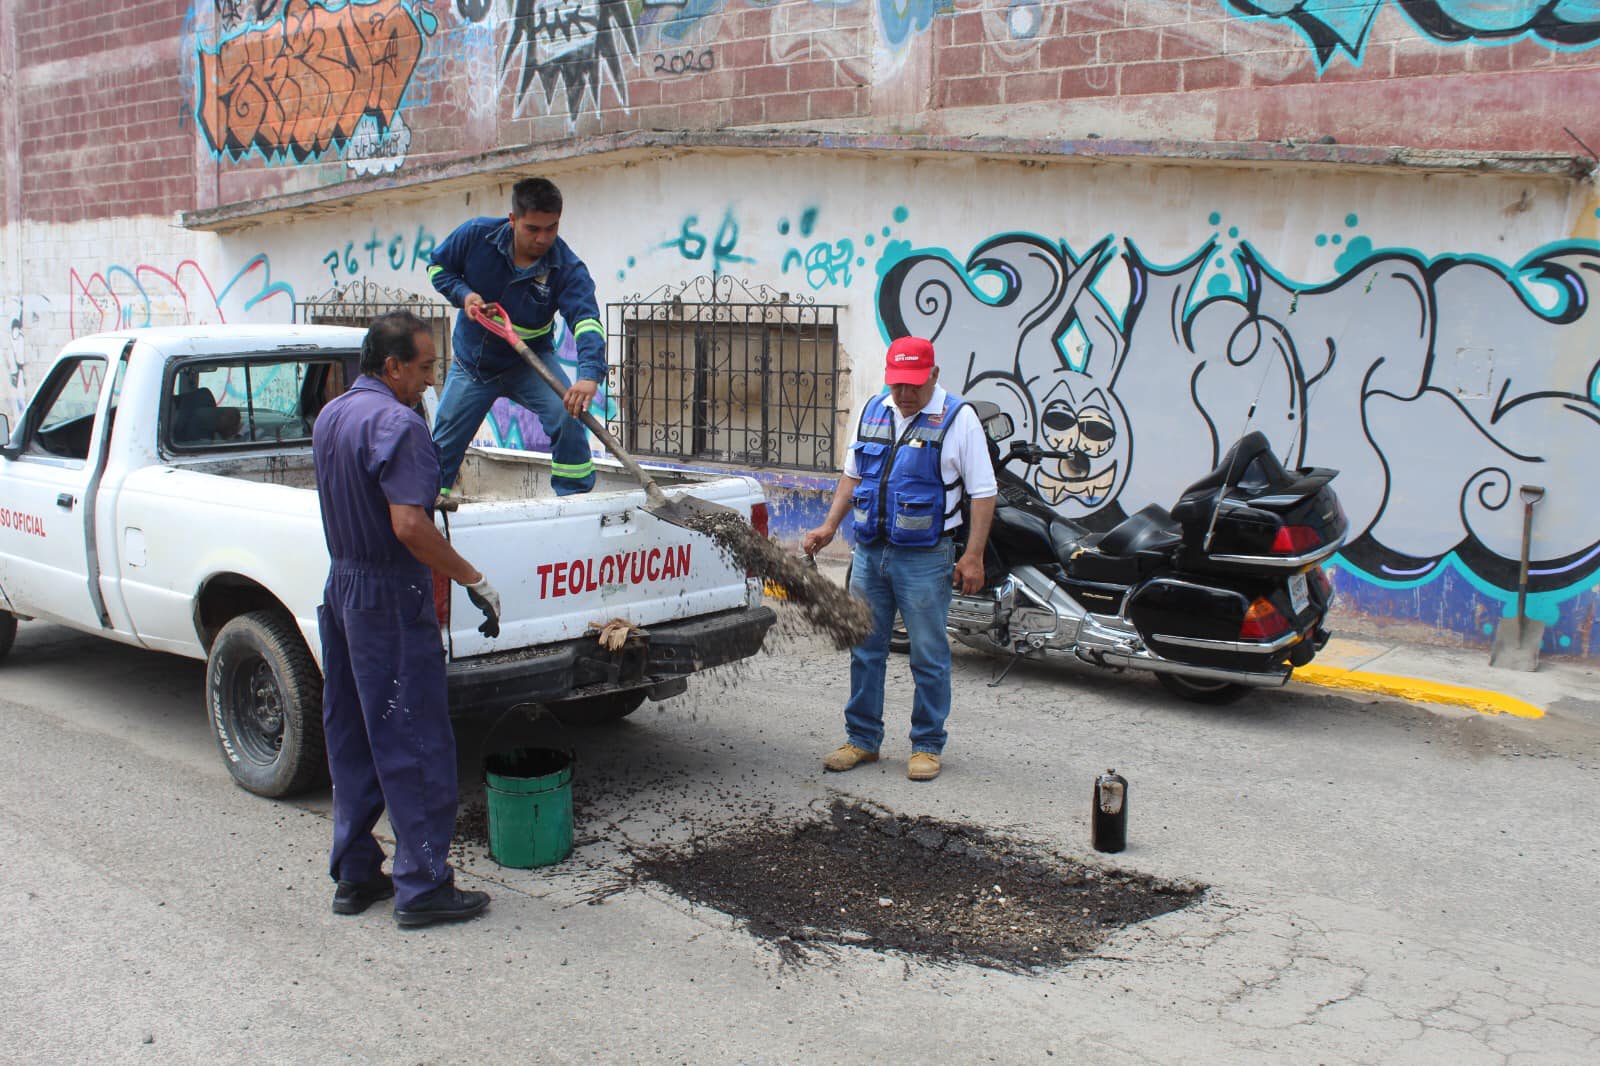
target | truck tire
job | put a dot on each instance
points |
(598, 710)
(8, 632)
(264, 694)
(1214, 692)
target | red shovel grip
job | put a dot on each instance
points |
(493, 318)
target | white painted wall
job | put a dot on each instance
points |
(1430, 465)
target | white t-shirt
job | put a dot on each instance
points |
(964, 454)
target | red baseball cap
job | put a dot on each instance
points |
(910, 362)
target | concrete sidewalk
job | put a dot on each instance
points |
(1426, 673)
(1461, 677)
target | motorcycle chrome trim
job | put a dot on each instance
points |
(1281, 562)
(1156, 664)
(982, 612)
(1246, 647)
(1049, 596)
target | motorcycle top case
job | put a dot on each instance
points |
(1253, 509)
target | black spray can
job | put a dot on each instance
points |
(1109, 817)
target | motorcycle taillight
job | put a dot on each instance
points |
(1263, 621)
(1295, 540)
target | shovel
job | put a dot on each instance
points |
(697, 515)
(1517, 647)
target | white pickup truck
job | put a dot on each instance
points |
(159, 491)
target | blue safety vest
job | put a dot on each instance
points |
(902, 493)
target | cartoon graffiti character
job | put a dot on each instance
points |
(1087, 430)
(1437, 387)
(1020, 327)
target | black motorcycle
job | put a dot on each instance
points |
(1222, 594)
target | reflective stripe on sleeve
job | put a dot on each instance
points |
(572, 470)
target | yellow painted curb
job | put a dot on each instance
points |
(1409, 688)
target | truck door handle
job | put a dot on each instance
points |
(65, 500)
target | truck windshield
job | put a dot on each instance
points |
(249, 400)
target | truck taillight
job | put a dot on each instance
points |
(441, 598)
(1295, 540)
(758, 518)
(1262, 621)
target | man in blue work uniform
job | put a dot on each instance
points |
(522, 265)
(384, 709)
(919, 451)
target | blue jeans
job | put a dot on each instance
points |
(917, 583)
(466, 401)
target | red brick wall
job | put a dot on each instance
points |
(101, 109)
(106, 94)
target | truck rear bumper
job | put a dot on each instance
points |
(668, 652)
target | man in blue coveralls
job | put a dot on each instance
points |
(522, 265)
(384, 709)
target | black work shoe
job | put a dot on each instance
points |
(353, 897)
(447, 903)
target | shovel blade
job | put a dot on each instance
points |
(693, 513)
(1512, 651)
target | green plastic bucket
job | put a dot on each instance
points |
(530, 806)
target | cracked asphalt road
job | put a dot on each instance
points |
(1391, 884)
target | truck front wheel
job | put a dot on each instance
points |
(8, 632)
(264, 693)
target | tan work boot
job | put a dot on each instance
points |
(848, 758)
(923, 766)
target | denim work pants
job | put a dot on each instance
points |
(387, 722)
(915, 582)
(466, 401)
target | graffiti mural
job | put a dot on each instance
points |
(402, 251)
(123, 297)
(571, 48)
(1436, 386)
(1332, 26)
(24, 319)
(232, 14)
(317, 77)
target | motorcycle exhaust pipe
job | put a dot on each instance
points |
(1199, 673)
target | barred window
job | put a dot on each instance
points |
(359, 302)
(749, 382)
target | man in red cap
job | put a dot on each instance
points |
(919, 454)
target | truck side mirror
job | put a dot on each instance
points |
(5, 436)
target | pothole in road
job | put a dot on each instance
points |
(948, 893)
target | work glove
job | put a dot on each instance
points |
(487, 600)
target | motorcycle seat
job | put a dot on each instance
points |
(1130, 550)
(1066, 538)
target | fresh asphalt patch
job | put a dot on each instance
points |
(854, 875)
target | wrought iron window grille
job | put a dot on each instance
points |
(715, 370)
(358, 302)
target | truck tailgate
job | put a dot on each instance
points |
(560, 564)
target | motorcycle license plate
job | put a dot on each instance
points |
(1299, 597)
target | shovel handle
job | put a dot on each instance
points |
(493, 318)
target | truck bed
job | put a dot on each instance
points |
(487, 474)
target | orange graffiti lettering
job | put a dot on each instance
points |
(304, 83)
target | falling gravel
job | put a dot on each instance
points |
(825, 605)
(943, 892)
